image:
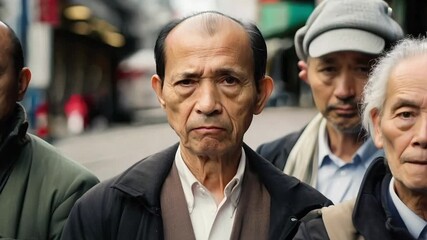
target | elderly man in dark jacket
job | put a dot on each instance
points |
(210, 81)
(392, 202)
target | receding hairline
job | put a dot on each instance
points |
(208, 22)
(6, 28)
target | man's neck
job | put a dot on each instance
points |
(344, 145)
(214, 172)
(416, 201)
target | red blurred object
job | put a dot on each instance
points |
(76, 110)
(77, 104)
(49, 12)
(41, 117)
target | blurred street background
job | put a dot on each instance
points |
(109, 153)
(91, 63)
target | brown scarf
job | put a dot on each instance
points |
(252, 217)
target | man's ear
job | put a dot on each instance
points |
(266, 86)
(23, 82)
(157, 85)
(376, 120)
(303, 75)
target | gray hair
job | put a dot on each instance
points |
(374, 94)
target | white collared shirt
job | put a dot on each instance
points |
(413, 222)
(336, 179)
(210, 221)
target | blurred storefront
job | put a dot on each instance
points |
(74, 48)
(278, 21)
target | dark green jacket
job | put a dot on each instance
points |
(38, 186)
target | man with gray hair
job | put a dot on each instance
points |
(337, 47)
(392, 202)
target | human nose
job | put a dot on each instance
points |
(345, 89)
(208, 100)
(420, 139)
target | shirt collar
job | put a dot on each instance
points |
(363, 154)
(188, 180)
(413, 222)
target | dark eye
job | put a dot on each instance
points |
(185, 82)
(405, 115)
(230, 80)
(364, 69)
(328, 69)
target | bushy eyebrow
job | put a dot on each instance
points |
(228, 71)
(188, 75)
(219, 72)
(403, 103)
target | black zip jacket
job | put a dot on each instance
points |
(128, 206)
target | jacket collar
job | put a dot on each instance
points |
(16, 128)
(144, 180)
(372, 206)
(289, 200)
(14, 136)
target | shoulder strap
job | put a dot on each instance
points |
(340, 215)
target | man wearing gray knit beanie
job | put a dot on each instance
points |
(337, 47)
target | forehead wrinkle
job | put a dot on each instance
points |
(211, 23)
(216, 72)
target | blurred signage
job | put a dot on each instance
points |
(49, 12)
(279, 17)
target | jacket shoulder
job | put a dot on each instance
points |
(46, 155)
(333, 222)
(291, 199)
(313, 229)
(277, 151)
(288, 191)
(87, 217)
(338, 220)
(106, 212)
(56, 172)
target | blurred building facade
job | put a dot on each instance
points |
(92, 59)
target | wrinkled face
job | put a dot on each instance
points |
(337, 81)
(8, 80)
(209, 93)
(402, 127)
